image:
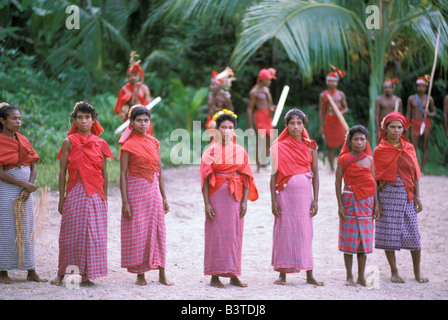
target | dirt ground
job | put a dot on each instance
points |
(185, 234)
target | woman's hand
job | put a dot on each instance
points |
(209, 212)
(166, 207)
(313, 209)
(341, 212)
(30, 187)
(243, 208)
(24, 195)
(276, 209)
(126, 210)
(418, 204)
(61, 204)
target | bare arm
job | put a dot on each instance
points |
(321, 114)
(431, 108)
(124, 168)
(166, 207)
(209, 212)
(338, 190)
(314, 169)
(276, 210)
(104, 173)
(65, 151)
(344, 104)
(250, 108)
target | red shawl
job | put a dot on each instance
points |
(360, 178)
(85, 160)
(125, 95)
(291, 156)
(16, 153)
(144, 156)
(228, 159)
(389, 161)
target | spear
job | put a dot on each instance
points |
(422, 128)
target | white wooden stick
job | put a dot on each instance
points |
(149, 107)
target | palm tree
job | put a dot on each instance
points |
(102, 26)
(317, 33)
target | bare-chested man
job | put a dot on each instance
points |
(330, 126)
(416, 110)
(387, 103)
(445, 115)
(218, 97)
(260, 106)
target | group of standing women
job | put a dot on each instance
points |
(227, 183)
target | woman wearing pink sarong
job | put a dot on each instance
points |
(83, 234)
(294, 194)
(226, 183)
(144, 203)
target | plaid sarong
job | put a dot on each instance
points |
(398, 227)
(83, 235)
(143, 236)
(356, 231)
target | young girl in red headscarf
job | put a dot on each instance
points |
(83, 198)
(358, 203)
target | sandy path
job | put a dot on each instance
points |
(185, 252)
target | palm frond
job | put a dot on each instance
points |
(314, 35)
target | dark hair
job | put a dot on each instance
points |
(5, 111)
(356, 129)
(295, 112)
(223, 117)
(138, 110)
(84, 107)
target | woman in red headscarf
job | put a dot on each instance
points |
(144, 203)
(358, 204)
(227, 183)
(294, 194)
(17, 174)
(83, 197)
(397, 173)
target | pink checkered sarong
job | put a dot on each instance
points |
(223, 235)
(83, 234)
(293, 230)
(143, 237)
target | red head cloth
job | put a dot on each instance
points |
(232, 159)
(360, 178)
(392, 116)
(267, 74)
(386, 158)
(391, 82)
(214, 74)
(335, 75)
(16, 152)
(291, 156)
(96, 129)
(424, 80)
(136, 68)
(144, 158)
